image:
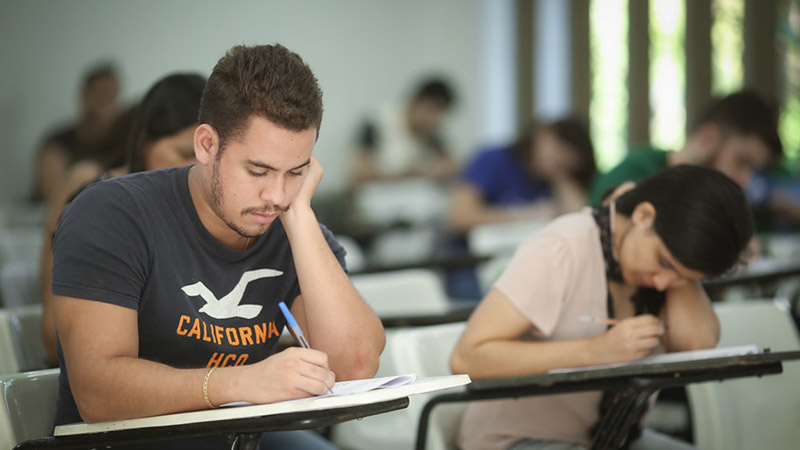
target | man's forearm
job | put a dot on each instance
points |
(126, 387)
(338, 321)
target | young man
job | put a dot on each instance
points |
(736, 135)
(406, 142)
(167, 283)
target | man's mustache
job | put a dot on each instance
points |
(266, 209)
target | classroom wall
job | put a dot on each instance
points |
(364, 52)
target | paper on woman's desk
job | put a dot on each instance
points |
(662, 358)
(356, 387)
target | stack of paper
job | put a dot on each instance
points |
(662, 358)
(358, 386)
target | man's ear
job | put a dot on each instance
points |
(206, 143)
(644, 214)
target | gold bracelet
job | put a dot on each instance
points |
(205, 387)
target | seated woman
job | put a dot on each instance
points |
(546, 172)
(637, 260)
(162, 136)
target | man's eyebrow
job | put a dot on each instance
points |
(308, 161)
(268, 167)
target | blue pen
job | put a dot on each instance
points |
(295, 329)
(293, 326)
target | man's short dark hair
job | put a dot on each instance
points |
(435, 89)
(269, 81)
(746, 113)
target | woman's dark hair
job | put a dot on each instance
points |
(114, 146)
(575, 133)
(571, 131)
(171, 105)
(701, 215)
(704, 220)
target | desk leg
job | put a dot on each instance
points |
(624, 411)
(244, 441)
(422, 429)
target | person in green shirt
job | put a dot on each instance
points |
(736, 135)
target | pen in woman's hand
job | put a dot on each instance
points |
(595, 319)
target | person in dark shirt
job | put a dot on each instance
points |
(158, 134)
(167, 283)
(99, 107)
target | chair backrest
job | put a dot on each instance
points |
(782, 246)
(413, 245)
(501, 238)
(21, 345)
(500, 241)
(21, 244)
(14, 215)
(354, 255)
(19, 283)
(403, 292)
(27, 406)
(424, 351)
(413, 201)
(751, 412)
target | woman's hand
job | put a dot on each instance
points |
(631, 338)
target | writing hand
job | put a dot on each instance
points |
(291, 374)
(632, 338)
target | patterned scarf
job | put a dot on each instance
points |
(645, 301)
(604, 216)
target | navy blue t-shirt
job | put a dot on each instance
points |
(137, 242)
(502, 180)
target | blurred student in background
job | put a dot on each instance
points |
(775, 197)
(736, 135)
(160, 135)
(546, 172)
(637, 261)
(408, 141)
(99, 106)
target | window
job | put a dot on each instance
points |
(667, 69)
(727, 46)
(789, 127)
(609, 62)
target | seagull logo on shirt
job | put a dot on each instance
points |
(229, 306)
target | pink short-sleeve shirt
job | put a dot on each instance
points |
(555, 277)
